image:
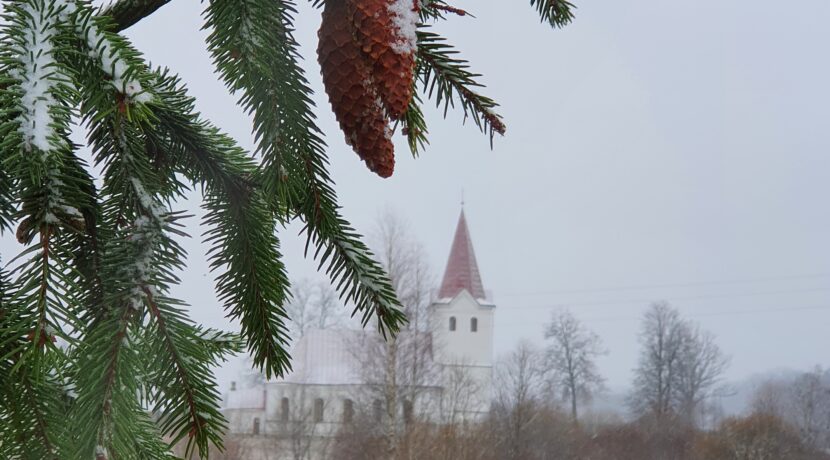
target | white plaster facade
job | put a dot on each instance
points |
(327, 387)
(463, 336)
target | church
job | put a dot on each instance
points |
(443, 374)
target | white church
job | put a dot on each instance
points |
(329, 386)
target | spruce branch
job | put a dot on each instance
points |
(252, 284)
(257, 55)
(109, 415)
(127, 13)
(98, 264)
(557, 13)
(414, 124)
(187, 402)
(436, 9)
(448, 79)
(32, 412)
(177, 381)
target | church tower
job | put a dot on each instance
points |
(462, 326)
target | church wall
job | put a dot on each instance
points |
(463, 346)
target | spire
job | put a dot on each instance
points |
(462, 269)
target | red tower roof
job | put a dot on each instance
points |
(462, 269)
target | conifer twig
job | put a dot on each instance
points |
(452, 9)
(127, 13)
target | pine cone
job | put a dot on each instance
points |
(385, 31)
(351, 89)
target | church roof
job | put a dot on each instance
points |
(326, 357)
(462, 269)
(338, 356)
(246, 398)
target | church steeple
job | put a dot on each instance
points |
(462, 268)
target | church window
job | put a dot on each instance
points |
(452, 323)
(285, 410)
(318, 410)
(256, 425)
(474, 324)
(348, 411)
(377, 408)
(407, 411)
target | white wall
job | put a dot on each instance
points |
(464, 349)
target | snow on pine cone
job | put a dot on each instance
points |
(354, 98)
(385, 31)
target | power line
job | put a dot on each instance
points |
(603, 319)
(718, 313)
(667, 285)
(667, 298)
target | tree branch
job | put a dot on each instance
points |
(126, 13)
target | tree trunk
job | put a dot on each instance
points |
(391, 394)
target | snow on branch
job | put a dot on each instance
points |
(104, 49)
(146, 235)
(37, 77)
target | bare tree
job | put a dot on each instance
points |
(571, 356)
(770, 398)
(656, 372)
(679, 367)
(398, 370)
(405, 261)
(299, 430)
(810, 408)
(700, 368)
(314, 304)
(460, 390)
(802, 401)
(519, 382)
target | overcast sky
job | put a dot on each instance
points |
(655, 150)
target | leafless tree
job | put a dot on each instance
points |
(770, 398)
(679, 366)
(700, 368)
(519, 382)
(314, 304)
(570, 358)
(405, 261)
(298, 432)
(661, 338)
(459, 394)
(802, 401)
(398, 370)
(810, 408)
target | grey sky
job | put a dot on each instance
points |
(651, 143)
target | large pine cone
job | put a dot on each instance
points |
(352, 92)
(385, 31)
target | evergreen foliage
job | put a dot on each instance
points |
(97, 359)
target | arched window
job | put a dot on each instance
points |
(452, 323)
(473, 324)
(256, 425)
(407, 411)
(348, 411)
(377, 408)
(285, 410)
(318, 410)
